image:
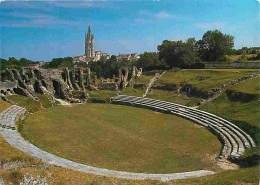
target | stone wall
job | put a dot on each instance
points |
(232, 65)
(58, 83)
(107, 86)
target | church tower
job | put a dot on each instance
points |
(89, 44)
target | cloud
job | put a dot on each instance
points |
(163, 15)
(40, 21)
(209, 25)
(25, 15)
(142, 21)
(27, 19)
(34, 19)
(78, 4)
(144, 12)
(49, 4)
(146, 16)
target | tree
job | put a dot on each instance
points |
(214, 45)
(3, 64)
(13, 63)
(190, 55)
(57, 62)
(113, 65)
(148, 60)
(25, 62)
(179, 53)
(172, 52)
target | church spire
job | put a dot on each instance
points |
(89, 44)
(89, 30)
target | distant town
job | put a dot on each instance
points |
(95, 55)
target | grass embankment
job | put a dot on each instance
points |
(204, 79)
(251, 86)
(30, 104)
(122, 138)
(4, 105)
(101, 96)
(238, 57)
(166, 88)
(241, 176)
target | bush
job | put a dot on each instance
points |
(257, 56)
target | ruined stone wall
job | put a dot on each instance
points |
(123, 76)
(58, 83)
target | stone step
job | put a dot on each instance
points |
(250, 140)
(226, 147)
(10, 115)
(234, 150)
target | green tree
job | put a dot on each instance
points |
(214, 45)
(172, 52)
(98, 67)
(3, 64)
(23, 62)
(114, 65)
(148, 60)
(68, 64)
(190, 55)
(13, 63)
(179, 53)
(56, 62)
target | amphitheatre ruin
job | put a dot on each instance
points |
(67, 88)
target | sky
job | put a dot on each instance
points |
(42, 30)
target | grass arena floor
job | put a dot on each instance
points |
(122, 138)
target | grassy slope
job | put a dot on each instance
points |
(242, 176)
(3, 105)
(204, 80)
(26, 102)
(234, 110)
(250, 86)
(122, 138)
(101, 96)
(30, 104)
(211, 78)
(237, 57)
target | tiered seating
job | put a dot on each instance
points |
(10, 115)
(234, 140)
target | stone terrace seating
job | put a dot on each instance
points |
(9, 116)
(234, 140)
